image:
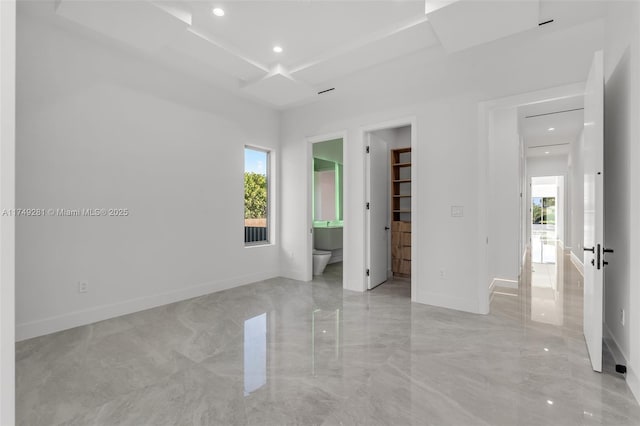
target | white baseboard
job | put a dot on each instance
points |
(295, 274)
(354, 285)
(50, 325)
(446, 301)
(492, 288)
(633, 381)
(503, 282)
(577, 263)
(620, 358)
(614, 347)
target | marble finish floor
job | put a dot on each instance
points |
(282, 352)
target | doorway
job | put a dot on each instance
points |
(389, 191)
(501, 126)
(547, 207)
(546, 221)
(327, 209)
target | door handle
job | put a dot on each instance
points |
(592, 249)
(386, 228)
(598, 258)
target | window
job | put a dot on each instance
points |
(256, 196)
(544, 210)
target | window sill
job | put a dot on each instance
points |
(255, 245)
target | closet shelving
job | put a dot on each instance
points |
(401, 212)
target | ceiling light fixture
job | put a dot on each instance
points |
(546, 152)
(277, 49)
(551, 129)
(218, 12)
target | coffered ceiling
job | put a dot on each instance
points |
(321, 41)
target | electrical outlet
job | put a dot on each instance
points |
(443, 274)
(622, 317)
(83, 286)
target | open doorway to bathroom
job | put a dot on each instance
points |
(327, 210)
(389, 216)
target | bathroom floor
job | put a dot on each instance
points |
(332, 273)
(310, 353)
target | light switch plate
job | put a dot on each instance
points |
(457, 211)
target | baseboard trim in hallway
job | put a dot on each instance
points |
(613, 346)
(620, 358)
(577, 263)
(503, 282)
(633, 382)
(54, 324)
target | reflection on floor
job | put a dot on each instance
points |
(288, 352)
(547, 288)
(543, 243)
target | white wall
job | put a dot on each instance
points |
(554, 165)
(504, 195)
(576, 194)
(7, 201)
(524, 203)
(442, 93)
(401, 137)
(98, 127)
(622, 183)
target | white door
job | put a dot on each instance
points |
(378, 216)
(594, 210)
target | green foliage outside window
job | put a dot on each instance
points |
(255, 196)
(543, 210)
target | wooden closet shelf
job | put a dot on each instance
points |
(401, 212)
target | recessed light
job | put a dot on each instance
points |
(546, 349)
(218, 12)
(277, 49)
(546, 152)
(551, 129)
(550, 402)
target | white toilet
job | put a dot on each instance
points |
(320, 260)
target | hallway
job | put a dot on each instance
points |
(288, 352)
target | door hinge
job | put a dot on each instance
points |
(367, 206)
(368, 272)
(367, 149)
